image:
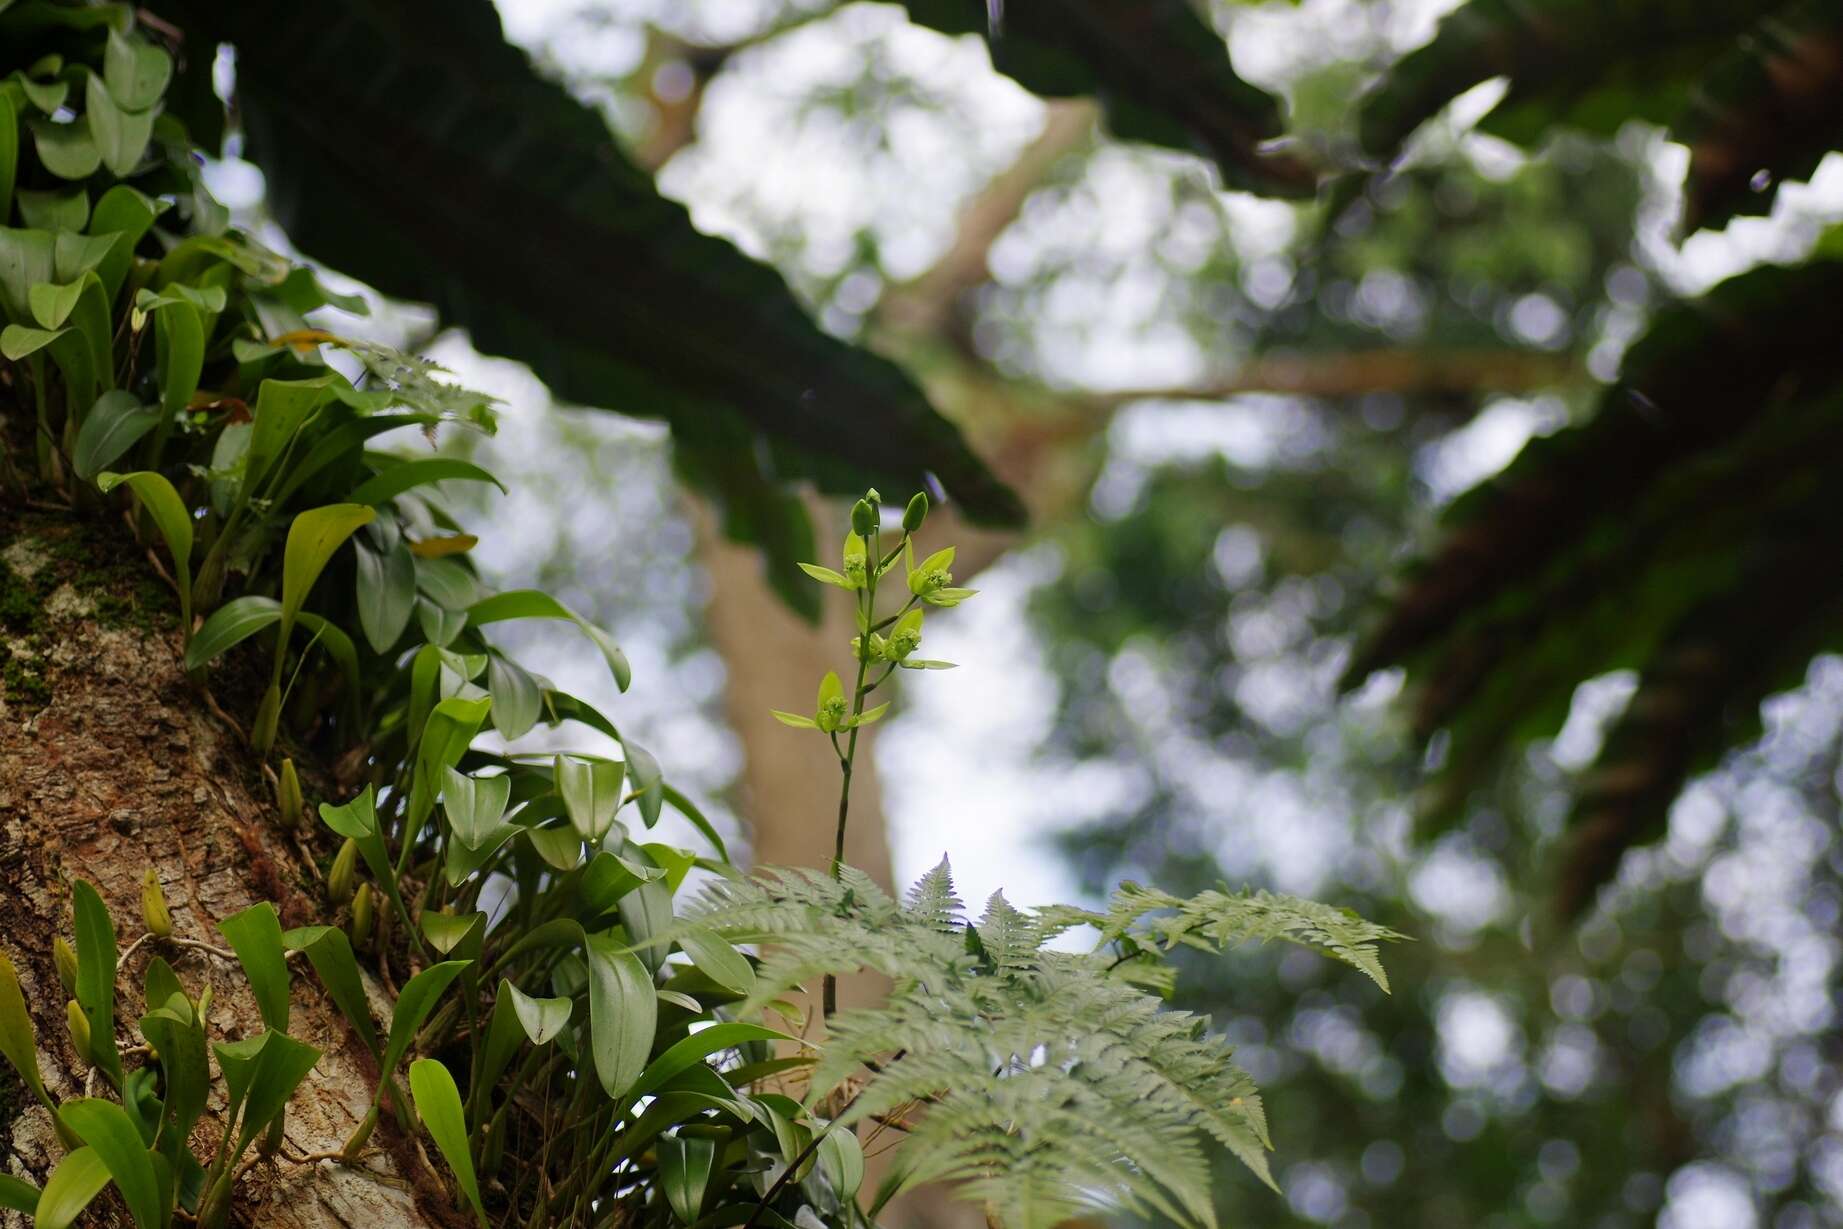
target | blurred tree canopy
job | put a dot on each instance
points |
(1594, 1028)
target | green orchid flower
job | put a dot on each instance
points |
(932, 582)
(832, 713)
(904, 638)
(854, 558)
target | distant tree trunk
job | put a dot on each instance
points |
(111, 762)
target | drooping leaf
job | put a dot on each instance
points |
(179, 350)
(330, 952)
(19, 341)
(66, 210)
(111, 1135)
(560, 848)
(623, 1014)
(518, 702)
(648, 781)
(358, 820)
(721, 962)
(606, 880)
(418, 999)
(440, 625)
(438, 1104)
(18, 1194)
(127, 214)
(135, 70)
(66, 150)
(18, 1039)
(174, 1029)
(453, 934)
(475, 806)
(111, 427)
(842, 1157)
(682, 1055)
(119, 135)
(534, 604)
(255, 934)
(96, 964)
(262, 1073)
(79, 1177)
(312, 539)
(169, 515)
(446, 736)
(685, 1164)
(407, 475)
(26, 259)
(546, 244)
(542, 1019)
(281, 410)
(386, 584)
(230, 625)
(591, 790)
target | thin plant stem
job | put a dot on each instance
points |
(867, 611)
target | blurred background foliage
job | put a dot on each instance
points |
(1246, 430)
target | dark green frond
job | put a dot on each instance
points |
(533, 231)
(1702, 374)
(1768, 111)
(1585, 64)
(1162, 75)
(1701, 689)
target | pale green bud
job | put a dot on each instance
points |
(65, 958)
(915, 513)
(362, 916)
(79, 1026)
(339, 880)
(153, 906)
(288, 795)
(863, 518)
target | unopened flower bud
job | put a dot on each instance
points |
(863, 518)
(65, 958)
(153, 906)
(362, 911)
(339, 880)
(79, 1025)
(288, 795)
(915, 513)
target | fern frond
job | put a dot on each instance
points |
(932, 902)
(1045, 1082)
(1218, 920)
(1010, 938)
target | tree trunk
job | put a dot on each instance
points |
(112, 762)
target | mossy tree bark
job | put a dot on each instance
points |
(111, 761)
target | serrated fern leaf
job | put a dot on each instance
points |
(1044, 1082)
(1010, 938)
(1215, 921)
(932, 902)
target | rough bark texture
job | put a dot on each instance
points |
(111, 762)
